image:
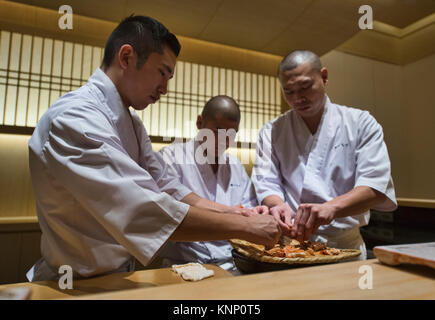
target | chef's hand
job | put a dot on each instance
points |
(261, 210)
(283, 214)
(309, 217)
(263, 229)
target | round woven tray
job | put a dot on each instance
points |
(254, 253)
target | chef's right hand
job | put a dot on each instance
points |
(264, 229)
(283, 215)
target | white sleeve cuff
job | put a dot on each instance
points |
(390, 203)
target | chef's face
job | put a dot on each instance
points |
(145, 85)
(224, 131)
(304, 89)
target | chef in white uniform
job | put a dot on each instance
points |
(223, 179)
(324, 164)
(103, 196)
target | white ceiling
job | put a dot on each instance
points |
(272, 26)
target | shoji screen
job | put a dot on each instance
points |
(35, 71)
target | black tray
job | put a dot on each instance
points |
(247, 265)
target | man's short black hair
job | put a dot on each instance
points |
(144, 34)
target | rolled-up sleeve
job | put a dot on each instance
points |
(85, 155)
(266, 176)
(373, 167)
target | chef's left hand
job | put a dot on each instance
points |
(309, 217)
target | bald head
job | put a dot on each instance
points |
(226, 106)
(296, 58)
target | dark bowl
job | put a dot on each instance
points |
(247, 265)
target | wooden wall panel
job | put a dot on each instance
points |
(16, 193)
(419, 126)
(10, 244)
(30, 253)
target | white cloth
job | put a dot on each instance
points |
(102, 194)
(347, 151)
(230, 186)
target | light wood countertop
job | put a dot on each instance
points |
(334, 281)
(43, 290)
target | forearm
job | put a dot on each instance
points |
(272, 201)
(356, 201)
(196, 201)
(203, 225)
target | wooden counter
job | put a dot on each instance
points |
(112, 283)
(335, 281)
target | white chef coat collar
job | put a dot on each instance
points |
(223, 158)
(327, 105)
(322, 120)
(108, 93)
(223, 173)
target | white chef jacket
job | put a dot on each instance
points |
(347, 151)
(102, 194)
(230, 186)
